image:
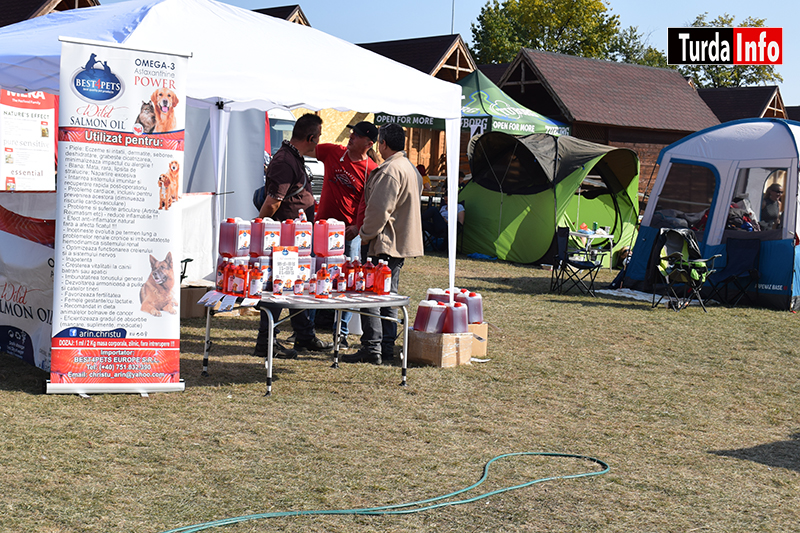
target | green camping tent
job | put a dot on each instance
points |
(522, 188)
(484, 107)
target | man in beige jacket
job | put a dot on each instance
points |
(391, 230)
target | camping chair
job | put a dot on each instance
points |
(569, 272)
(741, 271)
(682, 270)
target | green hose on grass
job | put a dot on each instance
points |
(414, 507)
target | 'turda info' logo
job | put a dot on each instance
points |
(95, 81)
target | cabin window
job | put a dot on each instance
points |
(685, 198)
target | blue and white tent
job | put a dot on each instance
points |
(708, 180)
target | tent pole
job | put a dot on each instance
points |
(220, 118)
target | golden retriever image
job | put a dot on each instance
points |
(164, 195)
(174, 167)
(156, 293)
(164, 102)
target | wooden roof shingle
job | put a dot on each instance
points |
(733, 103)
(15, 11)
(424, 54)
(616, 94)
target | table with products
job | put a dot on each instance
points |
(367, 304)
(586, 246)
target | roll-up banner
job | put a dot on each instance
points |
(116, 325)
(27, 135)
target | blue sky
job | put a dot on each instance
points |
(385, 21)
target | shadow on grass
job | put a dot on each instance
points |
(602, 302)
(17, 375)
(781, 454)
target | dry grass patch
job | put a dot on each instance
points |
(697, 414)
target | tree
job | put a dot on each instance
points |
(630, 46)
(575, 27)
(729, 75)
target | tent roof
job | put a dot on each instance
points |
(482, 97)
(525, 162)
(741, 140)
(234, 58)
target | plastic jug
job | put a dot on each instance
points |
(335, 264)
(430, 316)
(329, 238)
(455, 318)
(305, 269)
(440, 295)
(234, 238)
(271, 231)
(474, 303)
(287, 232)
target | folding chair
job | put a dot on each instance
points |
(741, 271)
(568, 272)
(682, 270)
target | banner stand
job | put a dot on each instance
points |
(116, 298)
(112, 388)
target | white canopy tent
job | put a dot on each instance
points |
(240, 60)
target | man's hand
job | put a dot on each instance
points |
(350, 233)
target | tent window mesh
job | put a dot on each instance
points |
(685, 198)
(754, 190)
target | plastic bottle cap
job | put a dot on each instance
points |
(231, 220)
(473, 294)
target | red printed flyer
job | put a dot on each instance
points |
(116, 324)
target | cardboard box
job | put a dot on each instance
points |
(479, 345)
(439, 349)
(189, 305)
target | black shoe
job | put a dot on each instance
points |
(282, 352)
(278, 350)
(315, 344)
(363, 356)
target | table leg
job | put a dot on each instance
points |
(404, 364)
(337, 323)
(207, 345)
(269, 351)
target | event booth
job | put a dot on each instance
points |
(237, 60)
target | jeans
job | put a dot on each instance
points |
(351, 250)
(379, 335)
(301, 324)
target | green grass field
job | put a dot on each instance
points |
(698, 416)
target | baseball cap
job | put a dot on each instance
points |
(366, 129)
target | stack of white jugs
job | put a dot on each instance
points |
(436, 314)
